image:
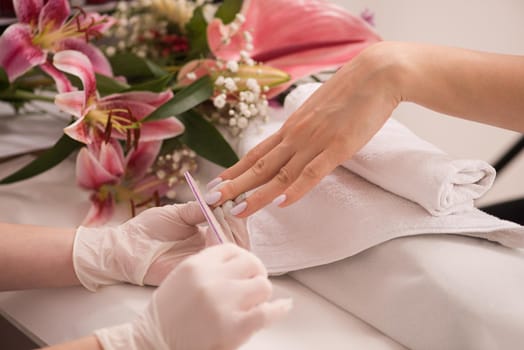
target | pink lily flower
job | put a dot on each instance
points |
(300, 37)
(48, 28)
(116, 115)
(113, 177)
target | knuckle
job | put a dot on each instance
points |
(253, 155)
(284, 176)
(311, 173)
(259, 167)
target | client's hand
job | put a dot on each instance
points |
(142, 250)
(333, 124)
(215, 299)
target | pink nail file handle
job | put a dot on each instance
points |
(210, 217)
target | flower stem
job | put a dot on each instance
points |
(24, 95)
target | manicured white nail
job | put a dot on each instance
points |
(279, 200)
(237, 209)
(214, 183)
(212, 197)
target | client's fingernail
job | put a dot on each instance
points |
(212, 197)
(279, 200)
(214, 182)
(237, 209)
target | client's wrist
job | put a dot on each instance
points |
(383, 69)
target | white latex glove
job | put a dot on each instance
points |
(214, 300)
(142, 250)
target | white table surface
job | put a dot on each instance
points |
(55, 315)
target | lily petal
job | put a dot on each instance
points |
(71, 102)
(111, 158)
(62, 83)
(53, 15)
(199, 68)
(90, 174)
(161, 129)
(137, 109)
(96, 23)
(139, 160)
(146, 97)
(100, 63)
(78, 131)
(27, 11)
(17, 53)
(101, 210)
(322, 35)
(76, 63)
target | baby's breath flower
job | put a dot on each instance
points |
(219, 81)
(252, 84)
(219, 101)
(242, 122)
(248, 37)
(232, 66)
(240, 18)
(230, 84)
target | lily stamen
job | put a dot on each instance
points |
(107, 131)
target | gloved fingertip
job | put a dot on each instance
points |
(192, 214)
(278, 308)
(267, 313)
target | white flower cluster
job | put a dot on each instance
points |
(237, 107)
(135, 23)
(172, 166)
(231, 30)
(239, 101)
(177, 11)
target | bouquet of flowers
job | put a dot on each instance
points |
(153, 84)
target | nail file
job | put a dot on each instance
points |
(210, 217)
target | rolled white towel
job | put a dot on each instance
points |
(345, 214)
(399, 161)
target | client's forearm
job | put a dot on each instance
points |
(479, 86)
(87, 343)
(36, 257)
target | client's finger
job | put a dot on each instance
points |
(261, 172)
(251, 157)
(285, 176)
(310, 176)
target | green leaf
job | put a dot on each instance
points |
(228, 10)
(135, 68)
(4, 79)
(203, 138)
(107, 85)
(187, 98)
(47, 160)
(196, 30)
(155, 85)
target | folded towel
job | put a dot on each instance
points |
(401, 162)
(345, 214)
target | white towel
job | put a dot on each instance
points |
(401, 162)
(345, 214)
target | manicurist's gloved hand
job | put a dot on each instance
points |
(142, 250)
(215, 299)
